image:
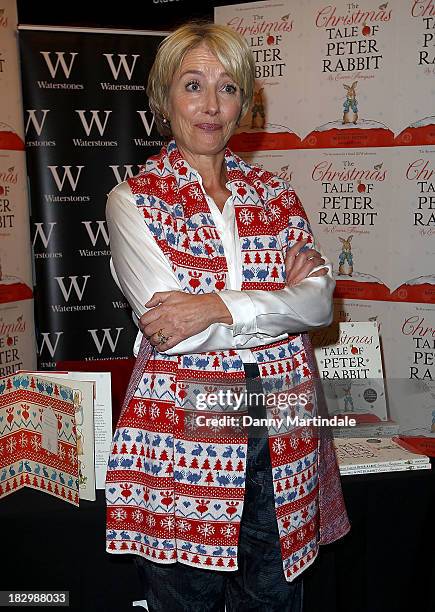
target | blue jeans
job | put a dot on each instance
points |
(258, 584)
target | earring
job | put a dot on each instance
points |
(165, 121)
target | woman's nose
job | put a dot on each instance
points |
(211, 102)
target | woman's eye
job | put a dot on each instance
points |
(192, 86)
(229, 88)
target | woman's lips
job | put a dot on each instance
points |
(209, 127)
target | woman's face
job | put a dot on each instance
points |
(204, 103)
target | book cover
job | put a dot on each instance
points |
(38, 440)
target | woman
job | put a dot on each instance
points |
(217, 261)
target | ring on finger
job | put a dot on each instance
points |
(161, 336)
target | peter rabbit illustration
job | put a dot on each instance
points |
(345, 257)
(258, 109)
(348, 399)
(350, 105)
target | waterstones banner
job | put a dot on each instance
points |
(88, 127)
(344, 110)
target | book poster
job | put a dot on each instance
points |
(11, 119)
(274, 32)
(350, 53)
(410, 368)
(415, 90)
(413, 217)
(349, 360)
(15, 257)
(17, 337)
(347, 195)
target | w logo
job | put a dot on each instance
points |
(48, 344)
(101, 230)
(53, 67)
(106, 336)
(148, 126)
(40, 233)
(73, 285)
(122, 63)
(128, 172)
(94, 119)
(67, 174)
(33, 120)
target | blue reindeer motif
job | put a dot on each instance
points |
(197, 450)
(228, 452)
(70, 481)
(292, 495)
(37, 469)
(137, 537)
(139, 437)
(44, 471)
(222, 480)
(17, 382)
(61, 478)
(280, 500)
(111, 535)
(218, 551)
(281, 352)
(64, 393)
(270, 355)
(299, 466)
(113, 463)
(53, 476)
(272, 243)
(2, 387)
(240, 453)
(3, 475)
(187, 361)
(126, 435)
(20, 468)
(200, 548)
(258, 243)
(25, 382)
(263, 274)
(27, 466)
(193, 478)
(49, 389)
(248, 274)
(126, 463)
(186, 546)
(225, 365)
(238, 481)
(260, 357)
(155, 469)
(246, 243)
(237, 364)
(167, 544)
(231, 551)
(202, 363)
(210, 450)
(169, 442)
(196, 250)
(40, 386)
(301, 223)
(124, 535)
(178, 475)
(155, 229)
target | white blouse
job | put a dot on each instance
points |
(139, 268)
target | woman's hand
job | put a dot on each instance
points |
(301, 265)
(178, 315)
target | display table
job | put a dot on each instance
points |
(384, 564)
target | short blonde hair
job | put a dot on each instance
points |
(228, 46)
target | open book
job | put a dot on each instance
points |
(38, 439)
